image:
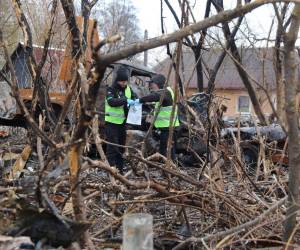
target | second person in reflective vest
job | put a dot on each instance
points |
(164, 111)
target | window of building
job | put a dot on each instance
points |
(244, 104)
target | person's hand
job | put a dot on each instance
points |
(130, 102)
(136, 101)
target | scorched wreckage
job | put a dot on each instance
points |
(189, 147)
(224, 174)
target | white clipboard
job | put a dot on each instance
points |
(135, 114)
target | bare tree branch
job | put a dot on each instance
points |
(15, 91)
(168, 45)
(241, 71)
(291, 86)
(186, 31)
(73, 28)
(233, 230)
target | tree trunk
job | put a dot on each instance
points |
(214, 71)
(197, 54)
(197, 51)
(280, 100)
(290, 67)
(76, 150)
(247, 84)
(280, 95)
(240, 68)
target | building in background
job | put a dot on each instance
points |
(258, 62)
(50, 71)
(20, 61)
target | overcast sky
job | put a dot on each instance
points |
(148, 12)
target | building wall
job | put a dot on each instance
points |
(230, 98)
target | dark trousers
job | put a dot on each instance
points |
(115, 133)
(163, 143)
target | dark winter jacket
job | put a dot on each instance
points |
(115, 96)
(155, 97)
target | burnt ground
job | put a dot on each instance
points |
(182, 206)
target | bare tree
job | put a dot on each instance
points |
(89, 84)
(196, 47)
(8, 21)
(86, 8)
(240, 69)
(278, 55)
(291, 85)
(40, 18)
(196, 44)
(118, 17)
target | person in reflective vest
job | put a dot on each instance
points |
(119, 97)
(163, 119)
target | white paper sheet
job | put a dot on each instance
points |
(135, 114)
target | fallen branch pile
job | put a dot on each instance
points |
(223, 208)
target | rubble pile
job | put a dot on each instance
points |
(215, 202)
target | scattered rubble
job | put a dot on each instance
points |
(13, 243)
(188, 202)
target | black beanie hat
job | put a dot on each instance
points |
(122, 74)
(159, 80)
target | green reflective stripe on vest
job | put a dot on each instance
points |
(166, 109)
(164, 115)
(111, 114)
(116, 115)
